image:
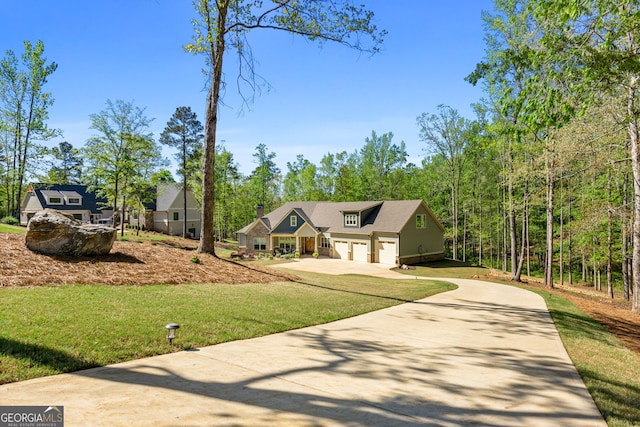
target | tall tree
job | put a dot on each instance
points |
(66, 164)
(184, 133)
(301, 181)
(226, 23)
(264, 177)
(23, 114)
(122, 150)
(378, 160)
(445, 134)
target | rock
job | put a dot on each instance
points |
(54, 232)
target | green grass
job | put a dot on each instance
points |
(49, 330)
(6, 228)
(446, 268)
(610, 370)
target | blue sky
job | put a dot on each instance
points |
(320, 100)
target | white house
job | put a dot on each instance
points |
(168, 215)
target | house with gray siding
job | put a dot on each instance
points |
(388, 232)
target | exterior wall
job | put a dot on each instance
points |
(31, 206)
(421, 244)
(260, 230)
(285, 228)
(161, 222)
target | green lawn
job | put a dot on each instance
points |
(50, 330)
(6, 228)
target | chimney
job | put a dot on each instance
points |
(260, 211)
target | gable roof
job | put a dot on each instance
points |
(167, 193)
(385, 216)
(90, 201)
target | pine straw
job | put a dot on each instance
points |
(129, 263)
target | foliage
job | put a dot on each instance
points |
(9, 220)
(23, 114)
(121, 160)
(65, 164)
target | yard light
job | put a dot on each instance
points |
(171, 331)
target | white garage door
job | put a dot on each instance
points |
(387, 252)
(359, 252)
(341, 250)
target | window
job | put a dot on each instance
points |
(73, 201)
(325, 242)
(287, 244)
(55, 200)
(351, 220)
(421, 221)
(77, 216)
(293, 221)
(259, 243)
(176, 216)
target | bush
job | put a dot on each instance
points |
(195, 259)
(10, 220)
(316, 255)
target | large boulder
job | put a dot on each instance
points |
(54, 232)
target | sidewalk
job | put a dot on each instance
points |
(483, 354)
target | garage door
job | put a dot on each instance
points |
(387, 252)
(359, 252)
(341, 250)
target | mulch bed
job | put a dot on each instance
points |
(129, 263)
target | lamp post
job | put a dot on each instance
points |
(171, 331)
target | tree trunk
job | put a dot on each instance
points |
(184, 188)
(548, 264)
(609, 240)
(624, 225)
(632, 127)
(216, 49)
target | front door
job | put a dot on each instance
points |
(309, 245)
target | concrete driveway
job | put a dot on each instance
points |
(484, 354)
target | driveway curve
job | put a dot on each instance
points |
(484, 354)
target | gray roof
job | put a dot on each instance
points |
(387, 216)
(88, 198)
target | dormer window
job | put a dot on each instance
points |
(55, 200)
(73, 201)
(350, 220)
(293, 221)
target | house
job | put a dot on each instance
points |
(386, 232)
(69, 198)
(168, 215)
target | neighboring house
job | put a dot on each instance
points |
(168, 215)
(69, 198)
(386, 232)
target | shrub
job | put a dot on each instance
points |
(195, 259)
(10, 220)
(316, 255)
